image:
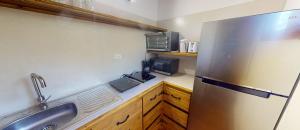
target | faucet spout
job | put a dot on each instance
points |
(39, 82)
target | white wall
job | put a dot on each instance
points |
(144, 11)
(290, 119)
(175, 8)
(143, 8)
(292, 4)
(71, 55)
(190, 25)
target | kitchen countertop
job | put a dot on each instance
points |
(183, 81)
(179, 80)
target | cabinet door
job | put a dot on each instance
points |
(175, 114)
(129, 117)
(152, 115)
(152, 98)
(157, 125)
(177, 98)
(168, 124)
(101, 123)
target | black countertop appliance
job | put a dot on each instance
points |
(162, 41)
(166, 66)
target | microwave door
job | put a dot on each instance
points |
(220, 106)
(157, 43)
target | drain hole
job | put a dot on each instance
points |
(50, 127)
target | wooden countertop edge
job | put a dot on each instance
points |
(178, 87)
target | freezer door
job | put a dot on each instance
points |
(260, 51)
(227, 108)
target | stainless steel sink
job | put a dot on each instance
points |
(49, 119)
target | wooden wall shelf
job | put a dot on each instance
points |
(176, 54)
(55, 8)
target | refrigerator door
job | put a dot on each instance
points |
(259, 51)
(227, 108)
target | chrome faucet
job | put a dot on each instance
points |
(38, 81)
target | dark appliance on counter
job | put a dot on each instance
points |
(166, 66)
(144, 75)
(162, 41)
(128, 81)
(140, 76)
(146, 67)
(124, 83)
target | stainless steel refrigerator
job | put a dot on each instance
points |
(247, 70)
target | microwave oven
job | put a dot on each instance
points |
(164, 65)
(162, 41)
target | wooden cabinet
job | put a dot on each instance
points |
(162, 107)
(168, 124)
(152, 115)
(157, 124)
(152, 98)
(172, 110)
(175, 107)
(175, 114)
(129, 117)
(103, 123)
(126, 117)
(178, 98)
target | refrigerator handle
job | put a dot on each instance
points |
(247, 90)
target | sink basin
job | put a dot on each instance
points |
(49, 119)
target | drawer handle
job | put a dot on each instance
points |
(119, 123)
(166, 93)
(153, 98)
(163, 121)
(178, 98)
(161, 93)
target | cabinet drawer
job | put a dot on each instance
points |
(129, 117)
(101, 123)
(168, 124)
(175, 114)
(157, 125)
(177, 98)
(152, 115)
(135, 123)
(152, 98)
